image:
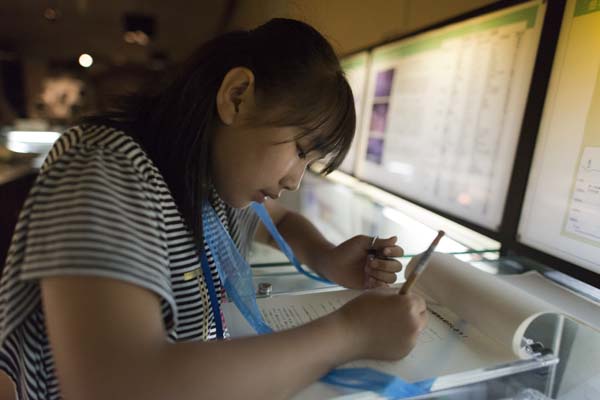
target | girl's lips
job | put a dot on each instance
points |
(259, 197)
(272, 196)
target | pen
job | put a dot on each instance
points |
(372, 250)
(371, 253)
(421, 264)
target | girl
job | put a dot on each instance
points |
(104, 295)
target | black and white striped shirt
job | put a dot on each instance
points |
(99, 207)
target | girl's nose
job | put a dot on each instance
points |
(292, 180)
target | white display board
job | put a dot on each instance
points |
(444, 111)
(561, 214)
(356, 70)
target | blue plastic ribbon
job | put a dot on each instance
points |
(369, 379)
(264, 216)
(234, 271)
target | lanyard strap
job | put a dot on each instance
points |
(388, 386)
(233, 269)
(264, 216)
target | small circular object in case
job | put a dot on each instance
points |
(265, 288)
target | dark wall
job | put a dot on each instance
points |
(12, 197)
(13, 85)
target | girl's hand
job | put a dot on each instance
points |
(350, 265)
(384, 325)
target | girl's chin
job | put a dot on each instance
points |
(259, 197)
(235, 201)
(239, 203)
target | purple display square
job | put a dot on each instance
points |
(375, 150)
(379, 117)
(383, 83)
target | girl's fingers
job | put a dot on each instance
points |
(381, 276)
(385, 265)
(373, 283)
(392, 251)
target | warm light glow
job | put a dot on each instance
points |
(85, 60)
(51, 14)
(139, 37)
(464, 199)
(33, 136)
(60, 94)
(30, 141)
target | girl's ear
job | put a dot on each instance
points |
(236, 90)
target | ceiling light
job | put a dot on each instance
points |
(85, 60)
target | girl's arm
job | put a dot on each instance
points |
(108, 341)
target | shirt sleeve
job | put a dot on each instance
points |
(94, 214)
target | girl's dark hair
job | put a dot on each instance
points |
(298, 82)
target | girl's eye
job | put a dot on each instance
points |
(300, 152)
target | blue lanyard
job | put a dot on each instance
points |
(233, 270)
(236, 276)
(265, 218)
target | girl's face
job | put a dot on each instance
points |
(249, 164)
(248, 161)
